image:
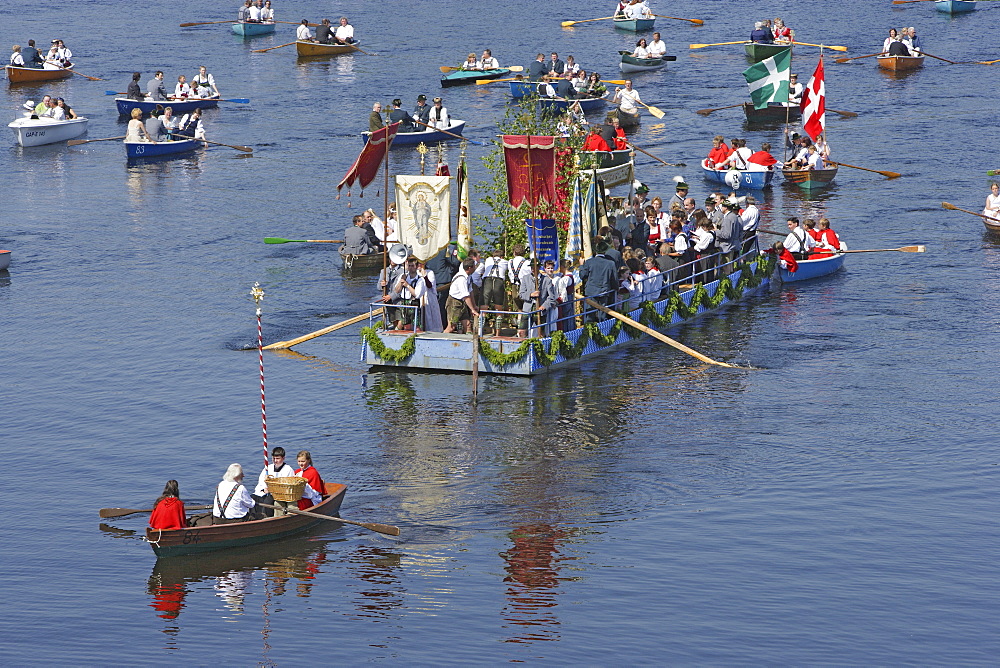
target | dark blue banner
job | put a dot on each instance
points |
(543, 240)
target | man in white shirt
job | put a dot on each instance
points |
(55, 112)
(276, 469)
(253, 12)
(460, 307)
(489, 62)
(627, 98)
(798, 242)
(345, 32)
(232, 501)
(302, 33)
(656, 48)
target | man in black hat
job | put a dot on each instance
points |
(422, 112)
(600, 279)
(401, 116)
(730, 234)
(680, 192)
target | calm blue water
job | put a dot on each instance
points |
(836, 506)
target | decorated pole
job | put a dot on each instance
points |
(258, 294)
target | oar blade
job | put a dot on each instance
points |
(445, 69)
(566, 24)
(697, 46)
(105, 513)
(704, 112)
(914, 249)
(279, 240)
(111, 92)
(656, 111)
(515, 68)
(387, 529)
(949, 206)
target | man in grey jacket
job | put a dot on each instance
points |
(730, 234)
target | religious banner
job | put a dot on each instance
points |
(365, 168)
(423, 211)
(464, 215)
(543, 240)
(531, 169)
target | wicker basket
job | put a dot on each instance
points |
(286, 489)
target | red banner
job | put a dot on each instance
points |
(365, 168)
(531, 169)
(813, 104)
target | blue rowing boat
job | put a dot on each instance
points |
(954, 6)
(634, 25)
(425, 135)
(739, 180)
(253, 29)
(126, 105)
(809, 269)
(144, 150)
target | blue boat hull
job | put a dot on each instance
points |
(738, 180)
(145, 150)
(955, 6)
(809, 269)
(635, 25)
(428, 135)
(126, 105)
(253, 29)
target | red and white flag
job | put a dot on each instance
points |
(813, 104)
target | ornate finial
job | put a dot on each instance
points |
(257, 293)
(464, 145)
(422, 149)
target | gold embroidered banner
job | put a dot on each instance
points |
(423, 209)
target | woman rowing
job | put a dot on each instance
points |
(993, 202)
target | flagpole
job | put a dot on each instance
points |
(385, 225)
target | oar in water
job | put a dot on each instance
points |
(450, 134)
(697, 22)
(845, 114)
(657, 335)
(122, 512)
(887, 174)
(77, 142)
(272, 48)
(904, 249)
(950, 62)
(387, 529)
(245, 149)
(823, 46)
(205, 23)
(513, 68)
(566, 24)
(702, 46)
(985, 62)
(281, 345)
(706, 112)
(870, 55)
(279, 240)
(952, 207)
(669, 164)
(84, 75)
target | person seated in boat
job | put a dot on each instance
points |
(154, 126)
(898, 48)
(571, 65)
(59, 57)
(67, 110)
(786, 260)
(565, 88)
(719, 153)
(814, 160)
(42, 106)
(782, 33)
(267, 12)
(888, 40)
(206, 82)
(618, 136)
(16, 59)
(154, 87)
(243, 15)
(170, 122)
(800, 150)
(303, 33)
(809, 225)
(637, 9)
(762, 160)
(401, 116)
(324, 32)
(641, 49)
(488, 62)
(182, 90)
(554, 68)
(627, 99)
(910, 39)
(596, 87)
(168, 509)
(795, 90)
(760, 34)
(536, 70)
(992, 208)
(191, 125)
(253, 16)
(54, 111)
(827, 237)
(546, 89)
(594, 141)
(375, 118)
(471, 63)
(345, 32)
(358, 240)
(657, 48)
(739, 159)
(31, 56)
(798, 243)
(233, 502)
(134, 90)
(566, 127)
(439, 115)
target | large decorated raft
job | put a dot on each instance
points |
(500, 355)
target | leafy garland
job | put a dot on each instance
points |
(559, 344)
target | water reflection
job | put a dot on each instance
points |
(532, 566)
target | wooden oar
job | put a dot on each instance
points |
(985, 62)
(513, 68)
(77, 142)
(887, 174)
(206, 23)
(845, 114)
(870, 55)
(823, 46)
(951, 62)
(358, 48)
(669, 164)
(656, 335)
(904, 249)
(245, 149)
(706, 112)
(697, 22)
(122, 512)
(387, 529)
(272, 48)
(653, 110)
(702, 46)
(450, 134)
(952, 207)
(566, 24)
(84, 75)
(279, 240)
(281, 345)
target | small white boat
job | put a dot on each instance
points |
(39, 131)
(4, 259)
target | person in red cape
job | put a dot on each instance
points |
(168, 511)
(763, 158)
(719, 152)
(785, 259)
(313, 492)
(594, 141)
(827, 237)
(621, 142)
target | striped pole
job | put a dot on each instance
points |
(258, 294)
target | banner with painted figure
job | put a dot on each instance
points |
(423, 213)
(464, 214)
(543, 240)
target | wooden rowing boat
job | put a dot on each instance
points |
(900, 63)
(626, 120)
(146, 150)
(630, 64)
(812, 268)
(424, 135)
(954, 6)
(18, 75)
(244, 29)
(125, 105)
(739, 180)
(991, 225)
(317, 50)
(810, 179)
(614, 168)
(464, 77)
(197, 540)
(758, 51)
(634, 25)
(40, 131)
(365, 262)
(772, 113)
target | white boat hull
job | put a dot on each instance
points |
(40, 131)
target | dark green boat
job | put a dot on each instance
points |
(463, 77)
(757, 51)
